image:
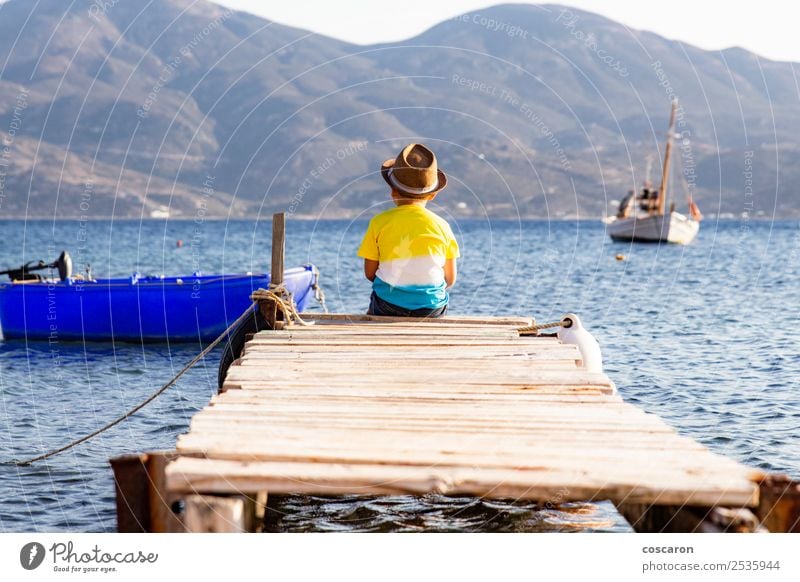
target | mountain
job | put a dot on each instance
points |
(115, 108)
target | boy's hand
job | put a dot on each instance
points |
(370, 268)
(450, 272)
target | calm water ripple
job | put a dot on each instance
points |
(704, 336)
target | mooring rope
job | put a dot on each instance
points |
(283, 299)
(145, 402)
(319, 294)
(277, 293)
(539, 326)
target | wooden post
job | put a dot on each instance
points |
(259, 509)
(649, 518)
(143, 502)
(217, 514)
(269, 308)
(133, 499)
(779, 504)
(163, 518)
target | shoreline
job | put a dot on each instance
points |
(306, 218)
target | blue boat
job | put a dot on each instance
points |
(133, 309)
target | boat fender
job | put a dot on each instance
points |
(573, 332)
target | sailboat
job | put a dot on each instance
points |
(643, 217)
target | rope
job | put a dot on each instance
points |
(138, 407)
(277, 293)
(283, 299)
(539, 326)
(319, 294)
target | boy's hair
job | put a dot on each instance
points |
(399, 195)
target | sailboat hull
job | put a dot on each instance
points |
(672, 227)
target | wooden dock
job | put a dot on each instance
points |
(461, 406)
(358, 404)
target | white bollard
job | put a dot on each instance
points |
(573, 332)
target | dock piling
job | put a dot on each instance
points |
(779, 506)
(269, 308)
(144, 504)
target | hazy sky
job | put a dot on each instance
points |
(767, 27)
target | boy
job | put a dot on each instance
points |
(409, 252)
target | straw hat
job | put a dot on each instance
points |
(414, 172)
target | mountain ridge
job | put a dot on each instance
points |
(533, 110)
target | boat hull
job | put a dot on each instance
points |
(147, 309)
(672, 228)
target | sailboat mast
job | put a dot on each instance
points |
(662, 191)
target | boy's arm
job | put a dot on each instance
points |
(370, 268)
(450, 272)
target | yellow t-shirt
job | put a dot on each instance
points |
(411, 243)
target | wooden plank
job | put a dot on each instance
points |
(532, 386)
(313, 330)
(419, 336)
(495, 417)
(410, 338)
(453, 437)
(270, 427)
(499, 411)
(368, 361)
(543, 429)
(465, 351)
(358, 428)
(346, 359)
(268, 344)
(255, 379)
(271, 385)
(394, 328)
(538, 384)
(187, 474)
(671, 464)
(389, 329)
(477, 412)
(368, 343)
(291, 367)
(507, 436)
(360, 318)
(522, 425)
(318, 344)
(418, 393)
(346, 354)
(513, 377)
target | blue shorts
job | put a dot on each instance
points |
(378, 306)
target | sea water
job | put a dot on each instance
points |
(703, 335)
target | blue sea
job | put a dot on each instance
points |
(703, 335)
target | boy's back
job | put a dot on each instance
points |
(411, 245)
